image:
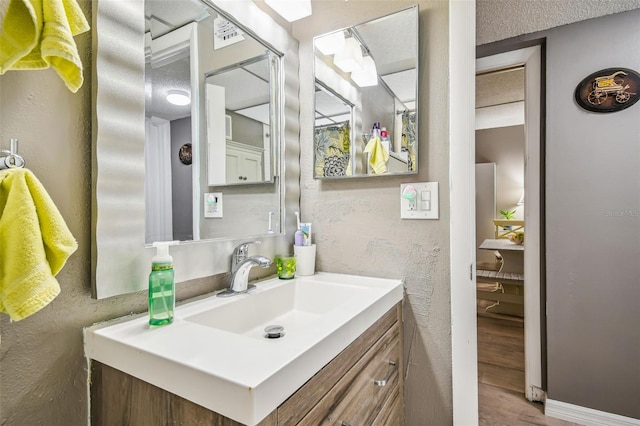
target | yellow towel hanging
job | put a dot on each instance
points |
(378, 155)
(35, 243)
(38, 34)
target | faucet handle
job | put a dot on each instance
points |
(243, 247)
(240, 253)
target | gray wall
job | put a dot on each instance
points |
(181, 182)
(592, 211)
(356, 222)
(593, 223)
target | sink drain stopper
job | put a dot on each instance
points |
(274, 331)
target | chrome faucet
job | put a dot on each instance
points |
(241, 264)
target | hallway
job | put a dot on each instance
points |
(501, 374)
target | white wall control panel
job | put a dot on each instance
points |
(213, 205)
(419, 200)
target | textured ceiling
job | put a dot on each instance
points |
(502, 19)
(247, 87)
(500, 87)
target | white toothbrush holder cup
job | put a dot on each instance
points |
(306, 256)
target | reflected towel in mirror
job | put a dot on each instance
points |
(378, 155)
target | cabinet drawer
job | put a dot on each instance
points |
(359, 396)
(299, 405)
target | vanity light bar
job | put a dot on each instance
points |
(368, 75)
(291, 10)
(330, 44)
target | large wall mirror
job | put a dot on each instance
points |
(366, 90)
(210, 100)
(189, 99)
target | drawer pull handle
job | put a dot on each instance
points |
(345, 424)
(384, 382)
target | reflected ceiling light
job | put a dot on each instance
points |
(349, 58)
(330, 44)
(368, 75)
(178, 97)
(291, 10)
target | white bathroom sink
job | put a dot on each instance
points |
(215, 353)
(293, 305)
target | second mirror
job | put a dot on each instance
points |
(366, 98)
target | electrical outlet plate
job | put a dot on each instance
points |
(424, 205)
(213, 205)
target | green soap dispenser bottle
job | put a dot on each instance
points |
(162, 296)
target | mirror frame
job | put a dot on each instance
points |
(120, 261)
(355, 109)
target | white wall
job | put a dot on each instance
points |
(505, 147)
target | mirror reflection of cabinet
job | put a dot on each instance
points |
(244, 163)
(239, 102)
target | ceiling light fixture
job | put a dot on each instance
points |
(349, 58)
(368, 75)
(291, 10)
(330, 44)
(178, 97)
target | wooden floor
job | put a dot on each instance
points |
(501, 373)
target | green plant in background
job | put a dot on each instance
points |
(508, 214)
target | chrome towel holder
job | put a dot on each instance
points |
(11, 159)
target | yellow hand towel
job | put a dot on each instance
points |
(38, 34)
(35, 243)
(378, 155)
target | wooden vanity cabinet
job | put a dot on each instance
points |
(361, 386)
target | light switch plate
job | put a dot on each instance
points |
(426, 205)
(212, 205)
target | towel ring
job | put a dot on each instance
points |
(11, 160)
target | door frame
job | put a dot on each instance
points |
(530, 57)
(464, 344)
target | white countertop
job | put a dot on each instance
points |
(236, 373)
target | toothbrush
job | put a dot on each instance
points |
(298, 238)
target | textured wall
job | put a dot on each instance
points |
(357, 225)
(501, 19)
(42, 367)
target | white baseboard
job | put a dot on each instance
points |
(585, 416)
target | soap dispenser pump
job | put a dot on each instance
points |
(162, 296)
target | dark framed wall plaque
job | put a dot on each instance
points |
(184, 154)
(609, 90)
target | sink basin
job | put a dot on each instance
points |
(215, 353)
(293, 305)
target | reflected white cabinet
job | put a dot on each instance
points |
(243, 163)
